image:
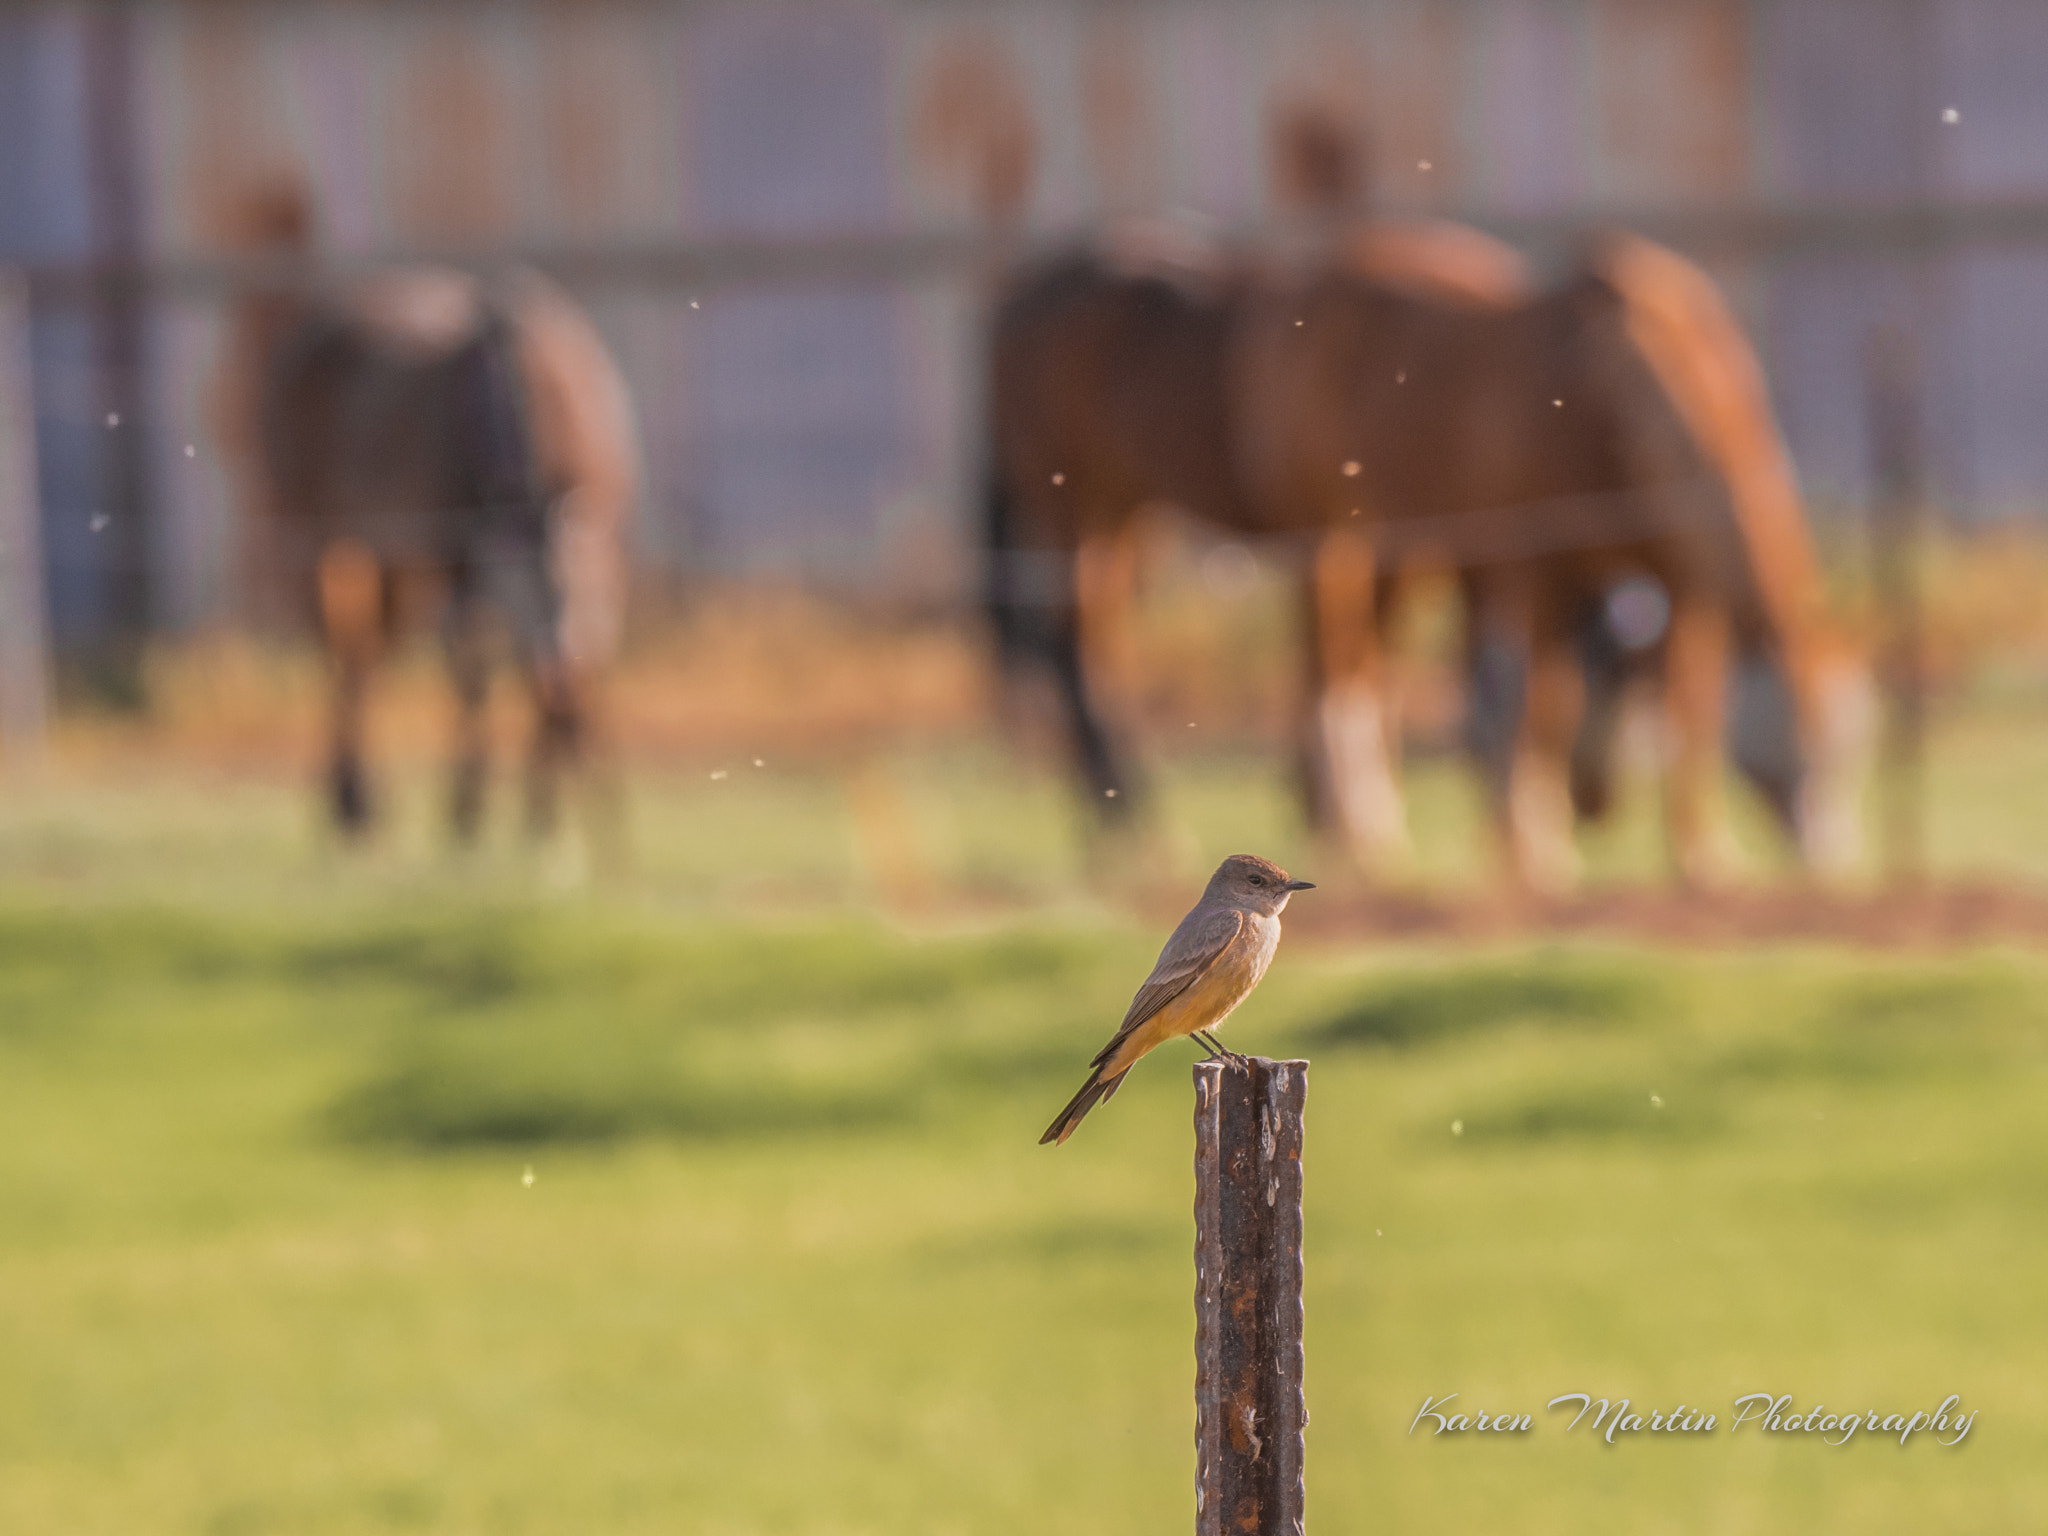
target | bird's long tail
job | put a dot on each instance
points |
(1098, 1087)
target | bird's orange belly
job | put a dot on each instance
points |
(1203, 1006)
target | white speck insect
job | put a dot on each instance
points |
(113, 418)
(191, 452)
(1424, 165)
(1951, 116)
(759, 764)
(1059, 479)
(1109, 794)
(693, 303)
(1401, 377)
(1657, 1099)
(1457, 1127)
(99, 521)
(1351, 467)
(1558, 403)
(526, 1178)
(718, 773)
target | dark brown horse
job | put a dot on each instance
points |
(420, 430)
(1106, 393)
(1113, 386)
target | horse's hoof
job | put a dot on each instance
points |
(466, 804)
(351, 801)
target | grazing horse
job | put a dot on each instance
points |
(1112, 388)
(1602, 449)
(423, 429)
(1106, 394)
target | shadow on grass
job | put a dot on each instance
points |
(1909, 1028)
(443, 1103)
(687, 1041)
(1578, 1111)
(1424, 1009)
(1057, 1243)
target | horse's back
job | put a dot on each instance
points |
(1441, 261)
(1108, 368)
(367, 431)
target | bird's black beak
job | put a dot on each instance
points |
(1301, 885)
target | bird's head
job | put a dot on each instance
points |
(1256, 884)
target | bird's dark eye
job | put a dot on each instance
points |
(1258, 879)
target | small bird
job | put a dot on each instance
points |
(1210, 965)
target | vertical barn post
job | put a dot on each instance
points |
(1249, 1411)
(1896, 515)
(24, 641)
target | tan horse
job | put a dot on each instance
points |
(420, 431)
(1612, 436)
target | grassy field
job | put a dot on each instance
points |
(789, 1260)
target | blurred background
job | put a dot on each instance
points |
(603, 1179)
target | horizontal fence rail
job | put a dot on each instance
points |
(1755, 230)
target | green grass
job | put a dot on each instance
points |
(790, 1260)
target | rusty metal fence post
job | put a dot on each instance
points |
(1249, 1411)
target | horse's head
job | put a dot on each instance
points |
(271, 214)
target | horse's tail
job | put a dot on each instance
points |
(588, 446)
(500, 460)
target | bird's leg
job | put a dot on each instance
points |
(1220, 1052)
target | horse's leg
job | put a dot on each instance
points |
(1105, 595)
(526, 591)
(1695, 710)
(1838, 719)
(1091, 654)
(1537, 806)
(469, 670)
(557, 741)
(1595, 752)
(589, 568)
(1496, 680)
(1348, 735)
(351, 594)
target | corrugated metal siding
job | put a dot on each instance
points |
(826, 426)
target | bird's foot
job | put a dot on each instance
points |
(1220, 1052)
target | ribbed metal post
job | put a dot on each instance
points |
(1249, 1411)
(1897, 511)
(24, 634)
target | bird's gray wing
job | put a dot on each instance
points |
(1202, 936)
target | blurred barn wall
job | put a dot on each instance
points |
(818, 420)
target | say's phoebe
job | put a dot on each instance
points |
(1212, 962)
